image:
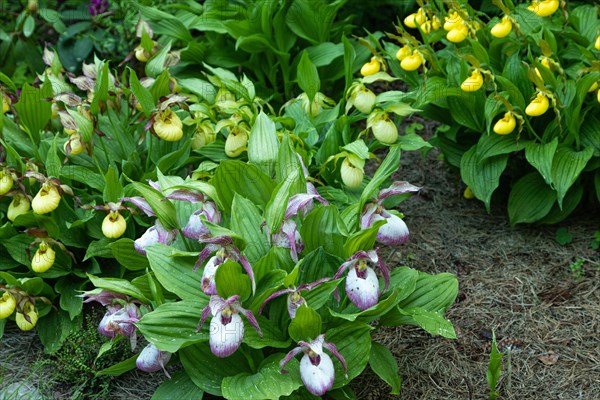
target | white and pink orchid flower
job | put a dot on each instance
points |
(226, 250)
(195, 228)
(154, 234)
(316, 368)
(362, 285)
(151, 359)
(394, 232)
(120, 320)
(295, 299)
(226, 326)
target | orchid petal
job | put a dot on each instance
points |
(297, 202)
(250, 317)
(205, 314)
(317, 379)
(208, 275)
(154, 185)
(399, 187)
(248, 268)
(186, 195)
(362, 288)
(394, 232)
(195, 229)
(367, 218)
(140, 203)
(311, 286)
(288, 357)
(273, 296)
(333, 349)
(225, 339)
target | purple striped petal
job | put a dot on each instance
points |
(396, 188)
(140, 203)
(362, 287)
(394, 232)
(208, 275)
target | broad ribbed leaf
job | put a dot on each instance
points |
(33, 108)
(233, 176)
(180, 386)
(246, 221)
(54, 329)
(84, 175)
(362, 240)
(267, 383)
(272, 335)
(312, 19)
(263, 145)
(53, 164)
(275, 210)
(530, 199)
(495, 145)
(175, 273)
(306, 325)
(308, 76)
(432, 322)
(164, 210)
(320, 229)
(113, 189)
(172, 326)
(119, 286)
(230, 281)
(359, 148)
(352, 313)
(126, 255)
(566, 167)
(540, 156)
(156, 65)
(383, 363)
(482, 175)
(353, 341)
(208, 371)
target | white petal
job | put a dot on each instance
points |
(362, 292)
(224, 340)
(394, 232)
(208, 276)
(318, 379)
(152, 359)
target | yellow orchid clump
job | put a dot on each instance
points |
(473, 83)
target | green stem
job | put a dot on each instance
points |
(185, 240)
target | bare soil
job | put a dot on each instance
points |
(514, 281)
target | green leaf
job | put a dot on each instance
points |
(175, 273)
(33, 108)
(266, 383)
(113, 189)
(359, 148)
(156, 65)
(432, 322)
(272, 335)
(362, 240)
(164, 210)
(320, 229)
(567, 164)
(263, 146)
(306, 325)
(28, 26)
(389, 165)
(54, 329)
(494, 368)
(119, 368)
(180, 386)
(119, 286)
(563, 236)
(482, 175)
(70, 301)
(540, 156)
(143, 95)
(230, 281)
(353, 341)
(98, 248)
(352, 313)
(246, 221)
(101, 88)
(312, 20)
(275, 210)
(530, 199)
(172, 326)
(208, 371)
(412, 142)
(53, 164)
(83, 175)
(308, 76)
(495, 145)
(233, 176)
(124, 252)
(383, 363)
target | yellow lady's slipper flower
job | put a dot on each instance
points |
(113, 225)
(403, 52)
(363, 99)
(19, 205)
(597, 43)
(46, 200)
(236, 142)
(502, 28)
(412, 62)
(458, 34)
(6, 181)
(468, 193)
(505, 125)
(598, 96)
(538, 106)
(370, 68)
(544, 8)
(43, 259)
(473, 82)
(24, 324)
(415, 19)
(7, 305)
(593, 87)
(384, 129)
(5, 103)
(453, 21)
(74, 146)
(352, 171)
(168, 126)
(544, 61)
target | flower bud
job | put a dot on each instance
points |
(43, 259)
(538, 106)
(385, 130)
(468, 193)
(502, 28)
(458, 34)
(6, 181)
(544, 8)
(168, 126)
(352, 171)
(412, 62)
(597, 43)
(7, 305)
(505, 125)
(151, 359)
(46, 200)
(364, 100)
(473, 82)
(370, 68)
(32, 315)
(141, 54)
(113, 225)
(236, 142)
(403, 52)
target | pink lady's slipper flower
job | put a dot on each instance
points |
(362, 286)
(226, 326)
(195, 229)
(316, 367)
(120, 320)
(225, 250)
(295, 299)
(151, 359)
(154, 234)
(395, 231)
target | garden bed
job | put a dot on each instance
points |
(516, 281)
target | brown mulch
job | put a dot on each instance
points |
(515, 281)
